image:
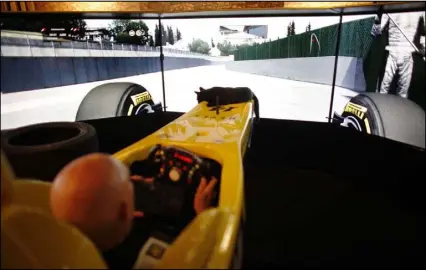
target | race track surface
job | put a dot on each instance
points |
(278, 98)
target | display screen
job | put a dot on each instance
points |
(183, 158)
(50, 63)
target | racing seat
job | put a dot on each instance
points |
(36, 240)
(33, 193)
(31, 238)
(14, 255)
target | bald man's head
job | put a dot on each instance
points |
(94, 193)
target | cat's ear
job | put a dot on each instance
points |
(202, 89)
(196, 92)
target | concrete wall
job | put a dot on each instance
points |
(48, 49)
(28, 73)
(28, 64)
(312, 69)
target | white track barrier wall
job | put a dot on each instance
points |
(312, 69)
(26, 51)
(27, 44)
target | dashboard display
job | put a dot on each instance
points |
(183, 158)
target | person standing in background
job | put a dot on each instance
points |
(406, 36)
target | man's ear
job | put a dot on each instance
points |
(123, 211)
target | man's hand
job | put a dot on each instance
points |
(376, 29)
(422, 50)
(204, 195)
(147, 180)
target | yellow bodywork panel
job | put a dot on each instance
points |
(205, 243)
(216, 133)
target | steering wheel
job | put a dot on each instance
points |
(177, 175)
(178, 166)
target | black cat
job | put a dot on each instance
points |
(219, 96)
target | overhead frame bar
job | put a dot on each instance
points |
(193, 10)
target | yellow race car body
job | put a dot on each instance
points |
(222, 137)
(222, 134)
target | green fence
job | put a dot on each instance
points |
(355, 41)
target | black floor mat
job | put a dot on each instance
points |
(311, 219)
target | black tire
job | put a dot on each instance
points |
(40, 151)
(113, 99)
(389, 116)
